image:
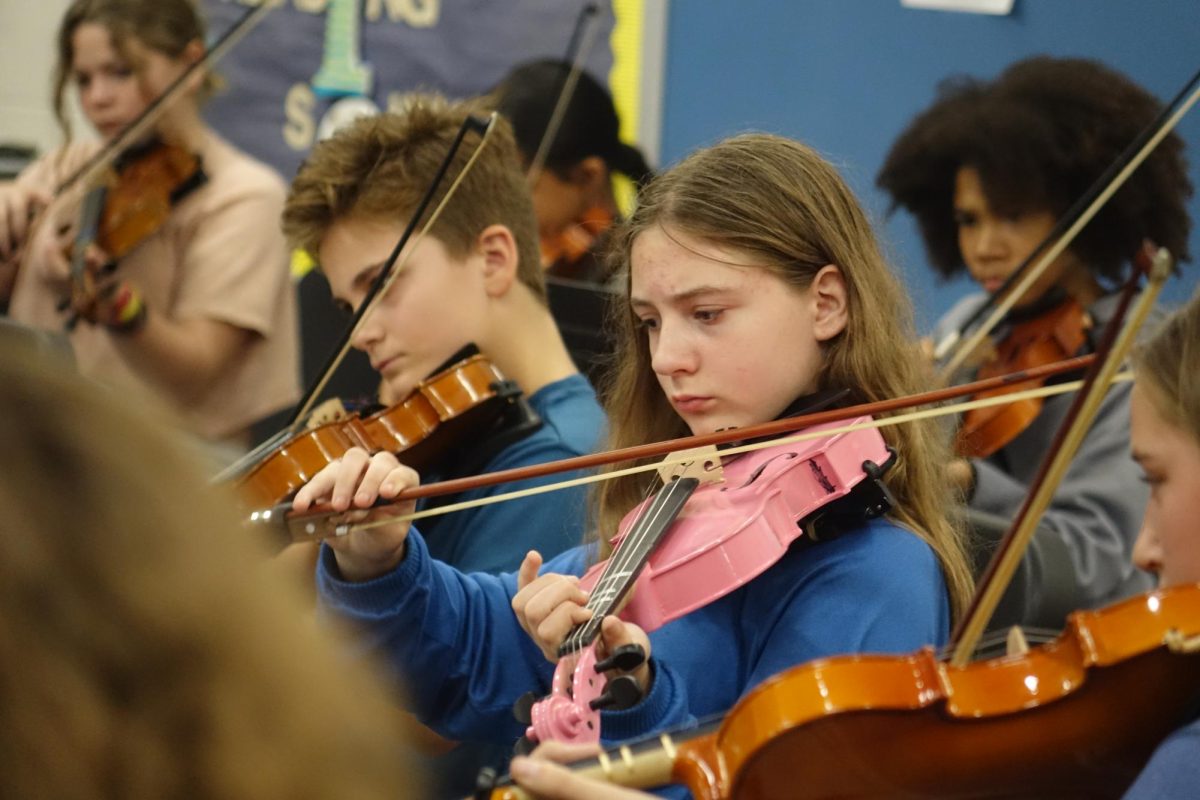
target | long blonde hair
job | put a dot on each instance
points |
(781, 203)
(147, 650)
(1168, 365)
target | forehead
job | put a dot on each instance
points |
(355, 247)
(968, 187)
(669, 262)
(1150, 433)
(92, 38)
(353, 243)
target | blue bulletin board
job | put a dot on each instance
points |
(313, 63)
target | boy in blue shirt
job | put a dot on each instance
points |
(474, 280)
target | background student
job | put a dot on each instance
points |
(987, 170)
(201, 310)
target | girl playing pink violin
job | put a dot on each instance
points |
(753, 281)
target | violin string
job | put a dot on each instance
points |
(254, 456)
(577, 638)
(1044, 391)
(646, 496)
(649, 528)
(996, 641)
(618, 563)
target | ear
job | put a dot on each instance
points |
(497, 247)
(192, 52)
(831, 309)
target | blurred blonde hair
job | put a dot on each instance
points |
(780, 203)
(147, 650)
(1168, 365)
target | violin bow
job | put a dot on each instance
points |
(583, 39)
(392, 268)
(1115, 343)
(319, 521)
(1065, 230)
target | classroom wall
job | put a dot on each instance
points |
(846, 76)
(27, 57)
(843, 75)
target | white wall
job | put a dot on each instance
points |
(27, 31)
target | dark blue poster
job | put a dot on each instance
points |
(310, 65)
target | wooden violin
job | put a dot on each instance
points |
(148, 181)
(444, 411)
(1075, 717)
(132, 202)
(1046, 338)
(564, 255)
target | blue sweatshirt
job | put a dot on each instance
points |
(481, 539)
(1174, 770)
(465, 658)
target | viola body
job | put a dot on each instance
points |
(139, 197)
(564, 252)
(1052, 336)
(454, 404)
(1077, 717)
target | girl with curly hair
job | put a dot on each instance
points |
(987, 170)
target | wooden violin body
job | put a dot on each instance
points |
(1077, 717)
(568, 254)
(139, 197)
(456, 404)
(132, 202)
(1047, 338)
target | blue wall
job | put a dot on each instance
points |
(846, 76)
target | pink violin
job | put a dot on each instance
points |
(694, 542)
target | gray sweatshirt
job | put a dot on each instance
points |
(1080, 555)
